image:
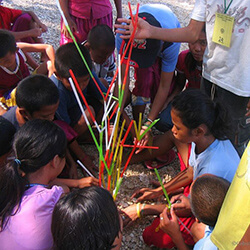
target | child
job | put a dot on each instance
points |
(68, 57)
(101, 44)
(82, 16)
(200, 136)
(25, 26)
(86, 219)
(189, 71)
(28, 189)
(7, 131)
(206, 197)
(13, 67)
(38, 98)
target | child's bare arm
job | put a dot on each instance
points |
(40, 47)
(37, 20)
(36, 32)
(80, 183)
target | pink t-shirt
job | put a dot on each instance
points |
(29, 228)
(90, 9)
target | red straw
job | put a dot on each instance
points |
(131, 146)
(127, 132)
(81, 94)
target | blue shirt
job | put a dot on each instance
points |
(168, 20)
(68, 109)
(220, 159)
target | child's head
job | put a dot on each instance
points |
(37, 97)
(36, 144)
(194, 111)
(197, 50)
(8, 49)
(86, 219)
(67, 57)
(101, 43)
(7, 131)
(207, 195)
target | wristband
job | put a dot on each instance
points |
(138, 210)
(142, 209)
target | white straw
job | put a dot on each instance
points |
(85, 168)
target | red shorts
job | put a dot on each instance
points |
(148, 87)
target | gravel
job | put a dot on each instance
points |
(137, 175)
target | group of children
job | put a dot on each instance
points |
(41, 127)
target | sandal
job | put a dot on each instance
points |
(161, 161)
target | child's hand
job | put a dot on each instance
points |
(146, 194)
(43, 27)
(130, 213)
(72, 26)
(87, 182)
(181, 205)
(168, 222)
(36, 32)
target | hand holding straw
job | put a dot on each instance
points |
(169, 203)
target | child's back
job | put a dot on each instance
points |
(27, 201)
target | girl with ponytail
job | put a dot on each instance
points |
(200, 131)
(28, 192)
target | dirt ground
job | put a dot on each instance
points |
(136, 175)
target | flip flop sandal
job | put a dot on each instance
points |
(170, 157)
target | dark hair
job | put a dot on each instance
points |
(35, 92)
(7, 131)
(207, 195)
(101, 35)
(7, 43)
(35, 145)
(85, 219)
(67, 57)
(189, 61)
(196, 108)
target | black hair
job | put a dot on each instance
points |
(7, 131)
(35, 92)
(207, 195)
(67, 57)
(35, 145)
(189, 61)
(85, 219)
(101, 35)
(196, 108)
(7, 43)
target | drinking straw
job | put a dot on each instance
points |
(149, 147)
(88, 172)
(77, 46)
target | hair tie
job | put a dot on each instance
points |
(18, 162)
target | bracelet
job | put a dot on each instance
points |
(142, 209)
(138, 210)
(149, 120)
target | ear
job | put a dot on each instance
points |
(87, 45)
(201, 130)
(25, 114)
(55, 161)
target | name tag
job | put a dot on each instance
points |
(223, 29)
